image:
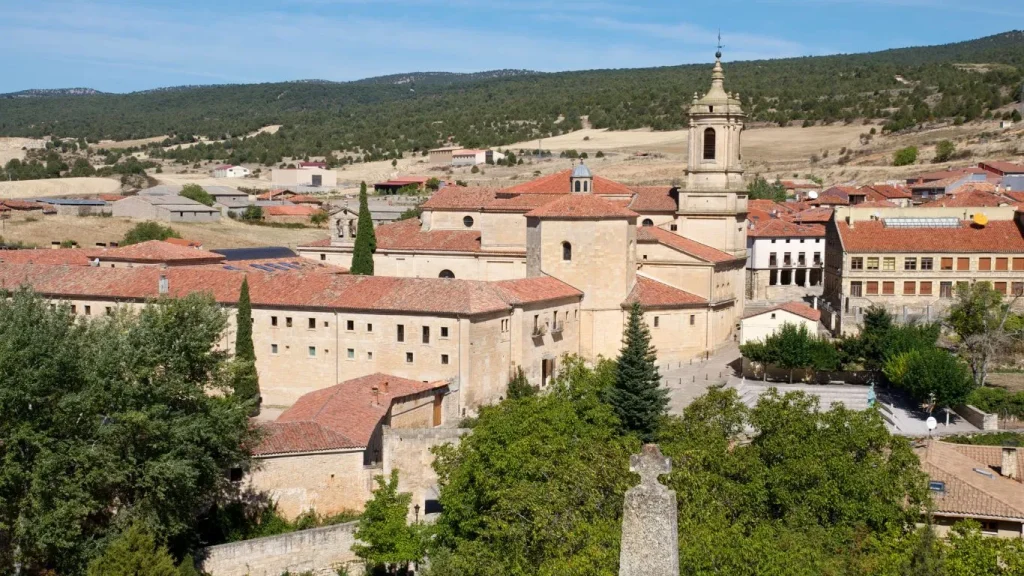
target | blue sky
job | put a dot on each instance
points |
(121, 45)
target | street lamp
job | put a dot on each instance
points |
(416, 508)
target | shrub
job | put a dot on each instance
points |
(944, 151)
(905, 156)
(196, 192)
(145, 231)
(930, 371)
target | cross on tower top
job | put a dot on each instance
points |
(649, 464)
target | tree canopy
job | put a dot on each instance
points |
(145, 231)
(197, 193)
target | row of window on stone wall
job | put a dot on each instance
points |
(947, 263)
(350, 326)
(924, 288)
(350, 354)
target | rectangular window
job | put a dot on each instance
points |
(88, 310)
(693, 319)
(273, 348)
(801, 259)
(288, 322)
(787, 259)
(656, 321)
(350, 325)
(963, 263)
(1000, 287)
(323, 256)
(909, 288)
(856, 289)
(1002, 263)
(945, 289)
(926, 289)
(408, 357)
(369, 327)
(873, 263)
(369, 355)
(888, 288)
(946, 264)
(1018, 263)
(989, 527)
(444, 331)
(401, 333)
(273, 320)
(984, 264)
(312, 351)
(857, 263)
(74, 309)
(351, 353)
(426, 334)
(110, 310)
(444, 359)
(889, 263)
(926, 263)
(872, 288)
(817, 258)
(910, 263)
(312, 324)
(773, 259)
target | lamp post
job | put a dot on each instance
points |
(416, 508)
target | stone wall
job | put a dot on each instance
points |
(319, 550)
(978, 418)
(408, 451)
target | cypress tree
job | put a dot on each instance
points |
(366, 240)
(637, 397)
(244, 376)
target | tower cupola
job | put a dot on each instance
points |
(716, 122)
(581, 181)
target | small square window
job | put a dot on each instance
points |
(288, 322)
(323, 256)
(408, 357)
(273, 348)
(673, 227)
(273, 320)
(773, 315)
(312, 351)
(350, 325)
(88, 310)
(444, 331)
(110, 310)
(326, 324)
(351, 353)
(369, 327)
(369, 355)
(312, 323)
(444, 359)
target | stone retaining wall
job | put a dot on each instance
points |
(320, 550)
(979, 419)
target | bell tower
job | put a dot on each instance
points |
(581, 181)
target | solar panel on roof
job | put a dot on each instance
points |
(276, 266)
(231, 268)
(921, 222)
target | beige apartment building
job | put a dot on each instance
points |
(912, 261)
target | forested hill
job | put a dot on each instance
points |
(379, 118)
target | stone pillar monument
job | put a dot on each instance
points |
(650, 530)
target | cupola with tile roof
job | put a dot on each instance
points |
(581, 181)
(716, 122)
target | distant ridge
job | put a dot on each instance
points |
(50, 92)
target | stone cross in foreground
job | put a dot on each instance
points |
(650, 531)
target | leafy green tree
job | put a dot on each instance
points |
(134, 553)
(119, 419)
(519, 386)
(905, 156)
(1015, 115)
(792, 348)
(930, 371)
(366, 238)
(390, 542)
(637, 397)
(82, 168)
(319, 218)
(252, 213)
(979, 319)
(197, 193)
(433, 184)
(760, 189)
(145, 231)
(944, 151)
(414, 212)
(245, 379)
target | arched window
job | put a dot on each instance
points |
(647, 222)
(709, 144)
(566, 251)
(586, 186)
(446, 274)
(578, 186)
(468, 221)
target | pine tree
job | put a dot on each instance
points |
(519, 386)
(133, 553)
(637, 397)
(244, 377)
(366, 240)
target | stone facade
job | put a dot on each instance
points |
(319, 550)
(409, 452)
(328, 482)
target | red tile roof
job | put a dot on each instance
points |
(876, 204)
(312, 164)
(111, 197)
(970, 199)
(770, 206)
(353, 408)
(1002, 167)
(778, 228)
(522, 203)
(408, 235)
(277, 194)
(305, 199)
(798, 308)
(23, 205)
(967, 492)
(559, 183)
(975, 186)
(534, 290)
(156, 251)
(460, 198)
(821, 214)
(1003, 236)
(298, 437)
(652, 294)
(581, 207)
(955, 173)
(890, 191)
(653, 199)
(933, 184)
(684, 245)
(66, 256)
(285, 210)
(1016, 195)
(184, 242)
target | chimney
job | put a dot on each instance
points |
(55, 244)
(1009, 465)
(376, 395)
(164, 286)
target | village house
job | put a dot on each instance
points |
(784, 259)
(761, 323)
(229, 171)
(313, 176)
(164, 207)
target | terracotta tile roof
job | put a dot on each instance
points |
(408, 235)
(798, 308)
(971, 199)
(991, 456)
(156, 251)
(955, 173)
(111, 197)
(299, 210)
(558, 183)
(1016, 195)
(66, 256)
(460, 198)
(652, 294)
(520, 203)
(757, 215)
(933, 184)
(534, 290)
(653, 199)
(967, 492)
(831, 200)
(352, 408)
(975, 186)
(581, 207)
(876, 204)
(276, 194)
(305, 199)
(184, 242)
(1003, 236)
(684, 245)
(890, 191)
(769, 206)
(778, 228)
(821, 214)
(1003, 167)
(23, 205)
(297, 437)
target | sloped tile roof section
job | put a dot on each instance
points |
(471, 199)
(354, 408)
(654, 295)
(1003, 236)
(293, 210)
(298, 437)
(156, 252)
(408, 235)
(684, 245)
(653, 199)
(534, 290)
(968, 492)
(66, 256)
(581, 207)
(891, 191)
(560, 183)
(798, 308)
(777, 228)
(971, 199)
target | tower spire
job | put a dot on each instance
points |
(718, 53)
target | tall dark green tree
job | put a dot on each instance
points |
(637, 397)
(519, 386)
(366, 239)
(243, 371)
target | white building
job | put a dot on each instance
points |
(228, 171)
(784, 259)
(304, 177)
(760, 324)
(468, 157)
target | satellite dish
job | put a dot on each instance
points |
(931, 422)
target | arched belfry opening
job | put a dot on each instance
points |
(709, 144)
